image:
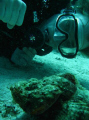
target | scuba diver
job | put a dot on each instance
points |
(66, 31)
(20, 44)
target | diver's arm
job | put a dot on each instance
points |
(12, 12)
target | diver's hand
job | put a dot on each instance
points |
(23, 57)
(12, 12)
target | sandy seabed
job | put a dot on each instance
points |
(42, 66)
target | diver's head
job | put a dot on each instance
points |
(66, 32)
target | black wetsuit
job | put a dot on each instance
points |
(11, 39)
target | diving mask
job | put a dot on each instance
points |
(66, 35)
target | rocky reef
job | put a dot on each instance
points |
(58, 97)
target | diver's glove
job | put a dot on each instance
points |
(23, 57)
(12, 12)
